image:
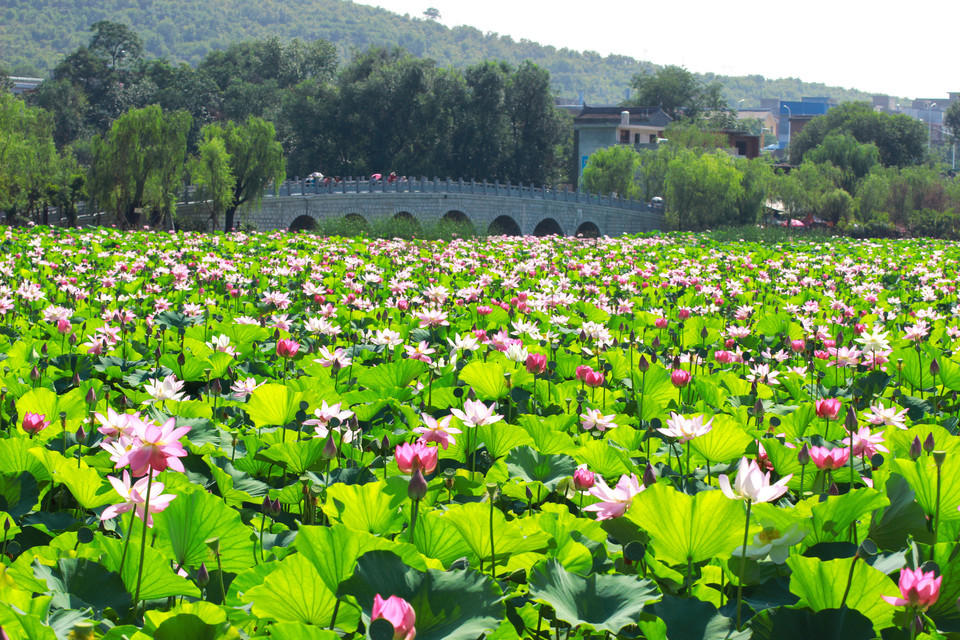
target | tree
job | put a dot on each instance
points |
(534, 125)
(702, 190)
(612, 170)
(431, 13)
(256, 160)
(951, 120)
(137, 165)
(853, 158)
(27, 156)
(212, 175)
(678, 92)
(116, 41)
(901, 140)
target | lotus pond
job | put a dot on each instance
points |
(289, 436)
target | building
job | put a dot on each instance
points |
(795, 114)
(597, 128)
(766, 115)
(24, 85)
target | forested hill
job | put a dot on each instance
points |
(36, 34)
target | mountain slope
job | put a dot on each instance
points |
(36, 34)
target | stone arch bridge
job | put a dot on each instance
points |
(489, 207)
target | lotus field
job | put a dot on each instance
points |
(289, 436)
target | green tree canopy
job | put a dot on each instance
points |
(900, 139)
(613, 170)
(678, 92)
(138, 164)
(853, 158)
(256, 160)
(702, 190)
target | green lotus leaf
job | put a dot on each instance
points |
(828, 624)
(921, 475)
(295, 592)
(196, 516)
(530, 465)
(79, 582)
(688, 618)
(725, 441)
(486, 379)
(387, 377)
(300, 631)
(903, 519)
(830, 520)
(295, 457)
(472, 520)
(602, 458)
(365, 507)
(499, 438)
(159, 579)
(436, 537)
(273, 405)
(451, 605)
(601, 602)
(707, 525)
(821, 585)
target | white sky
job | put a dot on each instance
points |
(903, 49)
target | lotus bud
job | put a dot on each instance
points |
(91, 397)
(72, 339)
(276, 507)
(203, 576)
(655, 343)
(643, 365)
(418, 485)
(803, 457)
(915, 448)
(34, 373)
(834, 489)
(267, 506)
(76, 379)
(851, 422)
(80, 435)
(928, 443)
(649, 477)
(181, 359)
(44, 350)
(215, 387)
(329, 447)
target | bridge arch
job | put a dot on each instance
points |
(588, 230)
(457, 220)
(405, 224)
(505, 226)
(548, 227)
(303, 223)
(354, 223)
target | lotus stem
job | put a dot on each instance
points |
(143, 537)
(743, 564)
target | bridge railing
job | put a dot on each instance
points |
(459, 186)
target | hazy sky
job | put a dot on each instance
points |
(903, 49)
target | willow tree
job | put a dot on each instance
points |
(256, 160)
(137, 167)
(212, 175)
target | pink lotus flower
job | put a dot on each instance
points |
(34, 423)
(595, 418)
(135, 497)
(475, 414)
(536, 363)
(753, 484)
(582, 372)
(865, 443)
(680, 377)
(418, 455)
(919, 589)
(797, 345)
(397, 612)
(828, 408)
(157, 447)
(723, 357)
(438, 431)
(829, 459)
(593, 379)
(685, 429)
(583, 478)
(287, 348)
(614, 502)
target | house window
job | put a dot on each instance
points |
(653, 138)
(636, 138)
(624, 137)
